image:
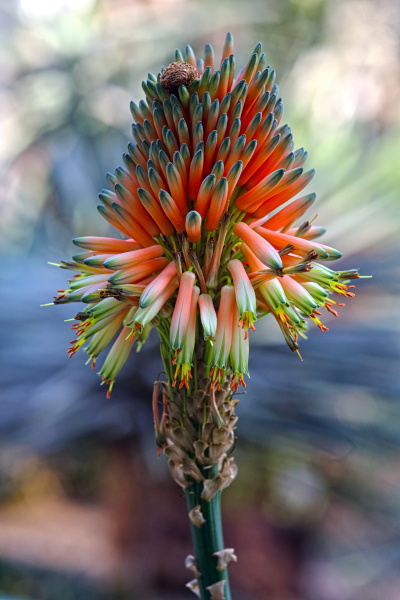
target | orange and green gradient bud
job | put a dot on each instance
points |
(209, 194)
(157, 286)
(193, 226)
(208, 317)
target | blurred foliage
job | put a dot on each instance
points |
(319, 440)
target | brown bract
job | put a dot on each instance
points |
(176, 74)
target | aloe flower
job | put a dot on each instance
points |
(181, 315)
(245, 295)
(184, 362)
(208, 317)
(193, 226)
(223, 336)
(239, 354)
(209, 224)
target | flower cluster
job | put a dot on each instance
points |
(208, 208)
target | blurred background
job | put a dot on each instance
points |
(87, 508)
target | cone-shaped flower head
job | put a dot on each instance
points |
(208, 194)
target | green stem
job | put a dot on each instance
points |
(207, 539)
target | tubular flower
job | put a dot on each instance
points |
(239, 354)
(185, 358)
(116, 359)
(157, 286)
(209, 192)
(208, 317)
(223, 336)
(181, 315)
(261, 247)
(143, 316)
(193, 226)
(245, 295)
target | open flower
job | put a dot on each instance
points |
(181, 315)
(245, 295)
(223, 336)
(184, 360)
(208, 317)
(239, 353)
(209, 194)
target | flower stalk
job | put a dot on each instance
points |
(207, 542)
(197, 435)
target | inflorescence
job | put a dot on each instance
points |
(211, 238)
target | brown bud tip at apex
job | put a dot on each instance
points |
(177, 73)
